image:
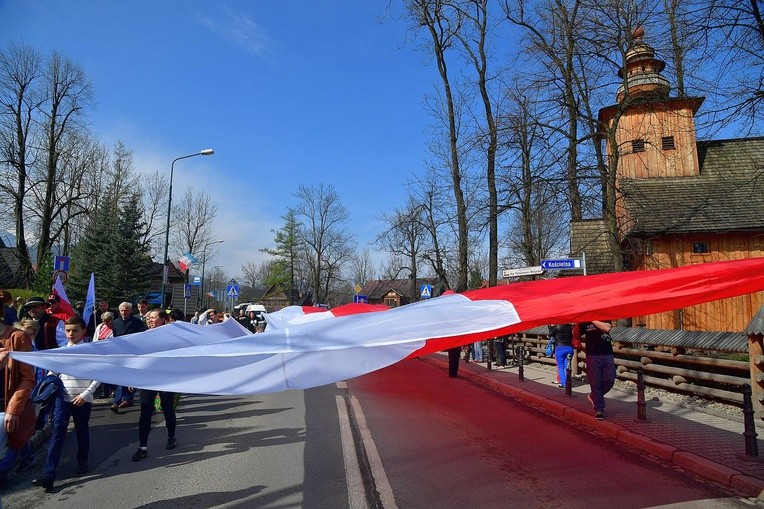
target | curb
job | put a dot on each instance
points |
(688, 461)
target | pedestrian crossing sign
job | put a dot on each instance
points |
(426, 292)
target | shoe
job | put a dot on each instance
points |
(140, 454)
(44, 482)
(25, 464)
(82, 469)
(114, 408)
(125, 404)
(599, 416)
(172, 443)
(561, 386)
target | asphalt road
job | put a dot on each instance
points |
(428, 441)
(281, 450)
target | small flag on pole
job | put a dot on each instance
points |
(186, 261)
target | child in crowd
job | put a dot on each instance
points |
(75, 401)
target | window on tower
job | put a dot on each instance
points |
(667, 143)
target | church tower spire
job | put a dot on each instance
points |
(654, 133)
(643, 72)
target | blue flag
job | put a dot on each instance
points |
(89, 300)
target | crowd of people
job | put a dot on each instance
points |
(34, 400)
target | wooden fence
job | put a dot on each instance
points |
(704, 373)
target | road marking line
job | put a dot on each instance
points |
(356, 488)
(385, 491)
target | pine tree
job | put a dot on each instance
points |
(112, 249)
(131, 259)
(282, 273)
(93, 254)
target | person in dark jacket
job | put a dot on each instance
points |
(46, 335)
(600, 363)
(126, 323)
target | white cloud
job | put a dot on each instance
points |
(240, 29)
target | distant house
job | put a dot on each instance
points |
(396, 292)
(680, 201)
(175, 286)
(275, 298)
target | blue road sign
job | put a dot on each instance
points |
(61, 263)
(564, 264)
(363, 299)
(426, 292)
(197, 280)
(232, 290)
(187, 291)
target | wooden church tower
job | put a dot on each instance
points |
(679, 201)
(655, 133)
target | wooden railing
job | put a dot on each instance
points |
(705, 374)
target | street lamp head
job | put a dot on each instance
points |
(207, 152)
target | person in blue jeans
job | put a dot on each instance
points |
(75, 402)
(477, 351)
(563, 346)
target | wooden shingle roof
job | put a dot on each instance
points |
(728, 195)
(757, 324)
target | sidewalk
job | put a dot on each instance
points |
(707, 444)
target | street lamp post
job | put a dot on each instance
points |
(204, 261)
(165, 274)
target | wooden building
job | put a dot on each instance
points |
(395, 292)
(679, 201)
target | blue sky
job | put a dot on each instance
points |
(286, 92)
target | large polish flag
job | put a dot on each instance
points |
(223, 359)
(295, 315)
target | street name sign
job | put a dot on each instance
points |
(564, 264)
(525, 271)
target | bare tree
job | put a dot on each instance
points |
(327, 243)
(68, 95)
(403, 238)
(733, 36)
(361, 268)
(441, 24)
(437, 227)
(473, 39)
(193, 218)
(540, 212)
(553, 38)
(20, 100)
(392, 267)
(154, 193)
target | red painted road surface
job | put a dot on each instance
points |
(448, 443)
